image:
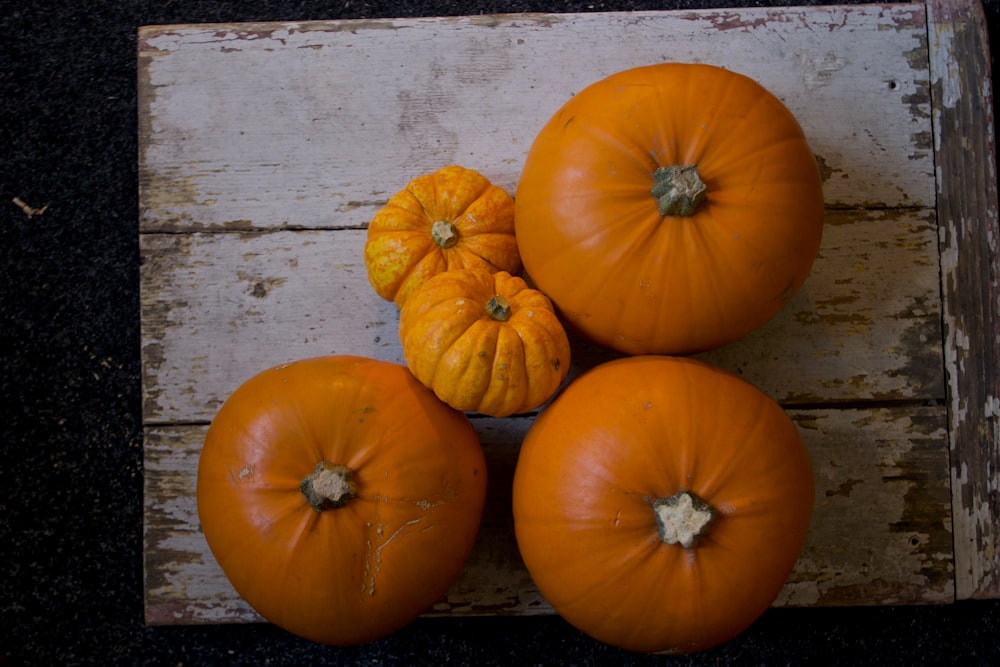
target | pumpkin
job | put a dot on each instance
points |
(669, 209)
(454, 218)
(484, 342)
(660, 503)
(339, 496)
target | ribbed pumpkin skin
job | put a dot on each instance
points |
(635, 430)
(474, 362)
(593, 239)
(400, 250)
(358, 572)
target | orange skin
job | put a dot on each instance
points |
(593, 239)
(359, 572)
(401, 252)
(474, 361)
(636, 430)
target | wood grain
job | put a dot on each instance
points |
(865, 326)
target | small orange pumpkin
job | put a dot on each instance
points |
(454, 218)
(339, 496)
(661, 503)
(669, 209)
(484, 342)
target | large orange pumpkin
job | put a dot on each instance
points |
(340, 497)
(484, 342)
(669, 209)
(661, 503)
(453, 218)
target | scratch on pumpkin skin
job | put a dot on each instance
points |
(373, 556)
(450, 496)
(245, 474)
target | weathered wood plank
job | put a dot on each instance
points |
(218, 308)
(267, 125)
(867, 324)
(881, 528)
(880, 531)
(970, 283)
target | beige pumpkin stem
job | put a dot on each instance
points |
(329, 486)
(678, 190)
(498, 308)
(683, 518)
(444, 233)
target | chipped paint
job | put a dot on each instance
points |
(819, 69)
(905, 555)
(970, 283)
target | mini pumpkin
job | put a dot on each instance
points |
(484, 342)
(454, 218)
(661, 503)
(340, 497)
(669, 209)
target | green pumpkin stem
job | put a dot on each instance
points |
(444, 233)
(683, 518)
(498, 308)
(678, 190)
(329, 486)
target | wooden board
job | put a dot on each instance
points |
(970, 285)
(266, 148)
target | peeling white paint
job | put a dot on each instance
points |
(992, 407)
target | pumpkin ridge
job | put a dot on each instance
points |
(752, 141)
(463, 257)
(409, 256)
(541, 366)
(509, 367)
(477, 242)
(454, 200)
(395, 219)
(436, 334)
(723, 481)
(633, 151)
(754, 153)
(535, 335)
(484, 344)
(722, 101)
(481, 215)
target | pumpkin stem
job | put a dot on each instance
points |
(498, 308)
(444, 233)
(329, 486)
(683, 518)
(678, 190)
